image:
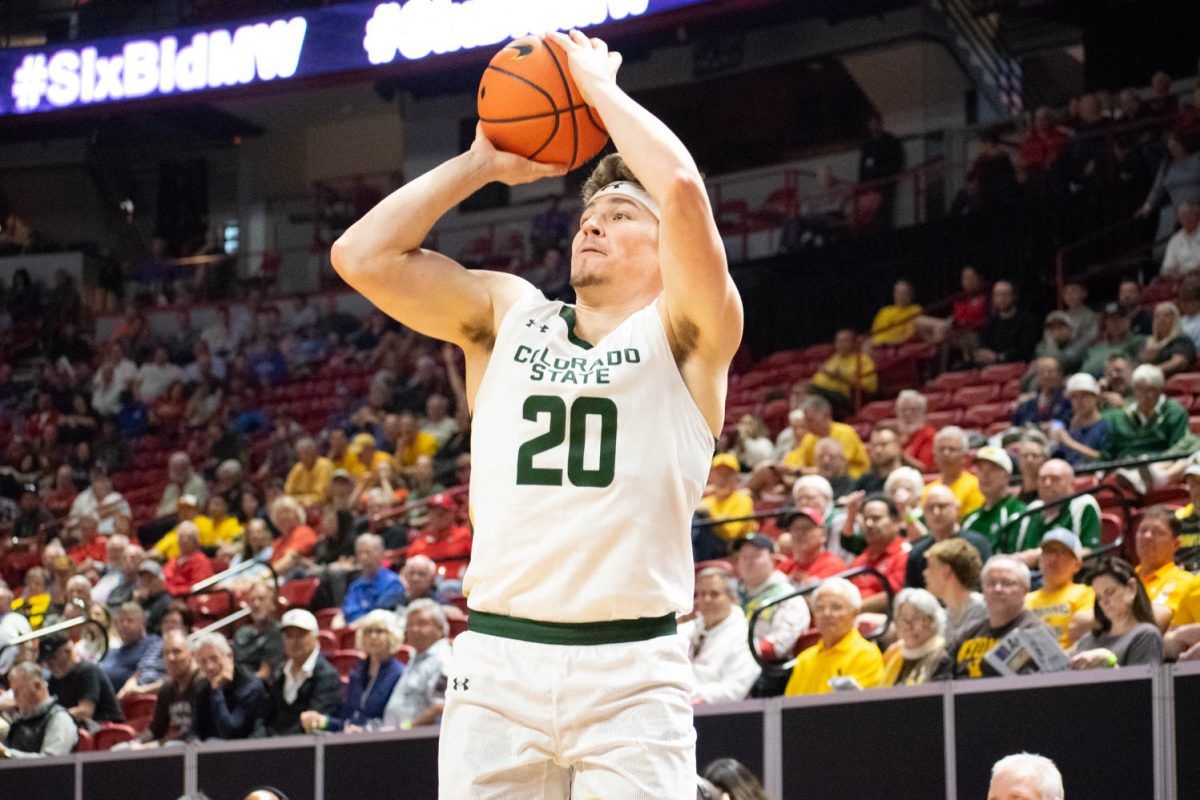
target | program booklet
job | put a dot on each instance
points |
(1025, 651)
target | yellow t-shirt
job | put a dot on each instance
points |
(738, 504)
(841, 373)
(1185, 515)
(376, 459)
(1167, 585)
(230, 530)
(856, 454)
(423, 445)
(966, 489)
(901, 318)
(349, 462)
(308, 486)
(1056, 608)
(852, 657)
(1189, 606)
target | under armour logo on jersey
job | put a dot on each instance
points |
(534, 324)
(455, 681)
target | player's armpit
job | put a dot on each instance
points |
(433, 294)
(703, 305)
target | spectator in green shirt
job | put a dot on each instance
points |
(1116, 338)
(1081, 515)
(1153, 423)
(994, 467)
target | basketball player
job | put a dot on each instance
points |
(593, 429)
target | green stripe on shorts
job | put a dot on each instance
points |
(571, 633)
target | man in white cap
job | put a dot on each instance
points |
(993, 466)
(596, 420)
(1082, 438)
(1060, 601)
(305, 681)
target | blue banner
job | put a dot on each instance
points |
(339, 38)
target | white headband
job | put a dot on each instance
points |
(630, 191)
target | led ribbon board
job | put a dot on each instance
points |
(338, 38)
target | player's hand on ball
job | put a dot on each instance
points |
(591, 64)
(508, 167)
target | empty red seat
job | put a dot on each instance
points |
(940, 419)
(970, 396)
(1195, 423)
(952, 381)
(1011, 389)
(1175, 493)
(344, 660)
(818, 352)
(1183, 383)
(138, 709)
(1111, 526)
(328, 641)
(298, 593)
(938, 401)
(325, 618)
(1002, 373)
(111, 733)
(877, 410)
(984, 414)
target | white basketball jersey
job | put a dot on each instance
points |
(586, 465)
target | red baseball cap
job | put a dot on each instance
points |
(443, 500)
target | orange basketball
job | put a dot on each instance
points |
(529, 105)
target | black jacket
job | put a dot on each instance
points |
(321, 692)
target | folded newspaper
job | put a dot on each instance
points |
(1025, 651)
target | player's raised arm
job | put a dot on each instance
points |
(702, 302)
(381, 256)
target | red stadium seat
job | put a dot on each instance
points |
(970, 396)
(298, 593)
(940, 419)
(1165, 495)
(984, 414)
(138, 710)
(1183, 383)
(863, 429)
(406, 653)
(1011, 390)
(1111, 526)
(1195, 423)
(328, 641)
(876, 410)
(325, 618)
(1003, 373)
(344, 661)
(111, 733)
(953, 381)
(818, 352)
(345, 638)
(938, 401)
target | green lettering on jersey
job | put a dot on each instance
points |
(577, 473)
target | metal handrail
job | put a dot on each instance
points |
(228, 619)
(801, 592)
(59, 627)
(201, 587)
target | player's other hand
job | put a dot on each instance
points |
(510, 168)
(592, 65)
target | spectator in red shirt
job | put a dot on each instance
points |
(971, 306)
(1041, 146)
(916, 435)
(810, 561)
(886, 551)
(191, 565)
(60, 497)
(441, 539)
(296, 540)
(92, 550)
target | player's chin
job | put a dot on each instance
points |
(582, 279)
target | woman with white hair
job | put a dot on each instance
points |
(903, 487)
(377, 635)
(1168, 347)
(296, 539)
(842, 657)
(919, 655)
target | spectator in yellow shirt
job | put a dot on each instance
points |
(896, 324)
(366, 457)
(1061, 602)
(309, 478)
(724, 499)
(341, 455)
(411, 442)
(842, 652)
(818, 416)
(217, 528)
(950, 454)
(1166, 583)
(848, 369)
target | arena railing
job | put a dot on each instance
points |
(212, 586)
(804, 591)
(98, 635)
(405, 508)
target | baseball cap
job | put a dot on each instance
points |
(49, 645)
(341, 473)
(997, 456)
(756, 539)
(188, 500)
(151, 566)
(1114, 309)
(726, 460)
(808, 513)
(1060, 316)
(443, 500)
(299, 618)
(1083, 382)
(1066, 538)
(362, 439)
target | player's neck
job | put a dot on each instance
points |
(598, 313)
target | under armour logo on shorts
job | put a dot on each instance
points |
(454, 683)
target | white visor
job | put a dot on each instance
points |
(630, 191)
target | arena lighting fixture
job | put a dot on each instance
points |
(341, 37)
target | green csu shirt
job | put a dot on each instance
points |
(1131, 434)
(990, 522)
(1081, 516)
